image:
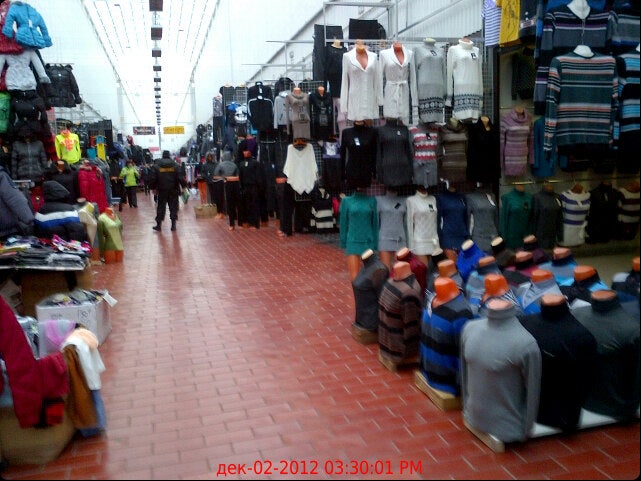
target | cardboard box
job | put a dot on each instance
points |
(32, 445)
(93, 316)
(205, 210)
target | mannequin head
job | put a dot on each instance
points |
(603, 295)
(523, 257)
(561, 253)
(495, 285)
(552, 299)
(583, 272)
(498, 244)
(402, 270)
(486, 261)
(403, 254)
(367, 254)
(446, 268)
(467, 245)
(446, 290)
(529, 240)
(539, 275)
(635, 264)
(499, 305)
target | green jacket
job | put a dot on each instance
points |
(130, 176)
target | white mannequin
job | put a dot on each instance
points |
(580, 8)
(584, 51)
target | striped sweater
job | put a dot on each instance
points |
(576, 207)
(441, 329)
(400, 304)
(426, 148)
(581, 100)
(628, 123)
(517, 142)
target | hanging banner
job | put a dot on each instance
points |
(142, 130)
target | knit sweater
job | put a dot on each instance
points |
(429, 62)
(483, 160)
(464, 81)
(441, 328)
(358, 154)
(358, 221)
(517, 142)
(515, 217)
(483, 218)
(400, 307)
(392, 222)
(394, 156)
(367, 287)
(547, 217)
(615, 390)
(500, 376)
(530, 295)
(467, 260)
(426, 148)
(422, 218)
(628, 122)
(568, 360)
(452, 220)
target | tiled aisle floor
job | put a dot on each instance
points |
(235, 347)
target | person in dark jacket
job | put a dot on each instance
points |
(167, 181)
(16, 215)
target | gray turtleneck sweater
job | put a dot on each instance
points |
(500, 376)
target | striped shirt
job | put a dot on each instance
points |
(491, 15)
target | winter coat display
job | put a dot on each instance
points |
(31, 380)
(7, 45)
(28, 160)
(16, 216)
(56, 216)
(31, 30)
(19, 74)
(63, 91)
(92, 186)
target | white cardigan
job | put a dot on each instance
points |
(397, 82)
(360, 89)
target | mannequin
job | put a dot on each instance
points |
(464, 80)
(586, 281)
(432, 270)
(360, 89)
(541, 285)
(520, 274)
(584, 51)
(626, 285)
(531, 244)
(421, 224)
(392, 220)
(475, 285)
(467, 258)
(400, 304)
(367, 287)
(562, 266)
(447, 268)
(615, 387)
(496, 287)
(441, 327)
(429, 64)
(419, 268)
(358, 229)
(110, 237)
(397, 79)
(569, 358)
(580, 8)
(504, 256)
(322, 113)
(503, 401)
(337, 43)
(299, 121)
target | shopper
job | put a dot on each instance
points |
(166, 181)
(131, 177)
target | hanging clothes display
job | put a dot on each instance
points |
(464, 92)
(360, 86)
(429, 64)
(397, 77)
(68, 146)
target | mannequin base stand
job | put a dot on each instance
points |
(443, 400)
(490, 441)
(395, 366)
(364, 336)
(112, 257)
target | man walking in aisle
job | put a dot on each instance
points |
(166, 180)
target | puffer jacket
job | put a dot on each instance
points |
(166, 176)
(28, 160)
(91, 186)
(31, 30)
(7, 45)
(19, 74)
(63, 90)
(56, 216)
(16, 216)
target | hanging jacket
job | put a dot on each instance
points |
(16, 215)
(64, 90)
(92, 186)
(7, 45)
(31, 29)
(19, 75)
(28, 160)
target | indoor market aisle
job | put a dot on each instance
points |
(234, 348)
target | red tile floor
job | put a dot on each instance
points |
(234, 348)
